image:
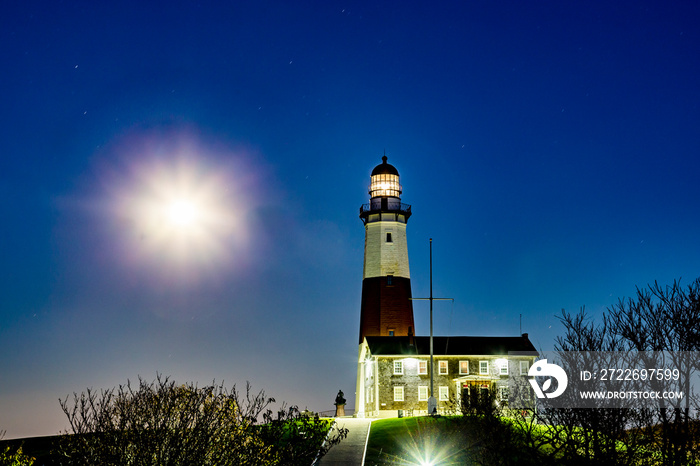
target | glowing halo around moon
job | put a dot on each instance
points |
(177, 213)
(179, 206)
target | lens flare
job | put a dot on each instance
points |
(429, 445)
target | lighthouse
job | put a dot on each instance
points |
(395, 368)
(386, 308)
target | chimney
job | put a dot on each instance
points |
(524, 335)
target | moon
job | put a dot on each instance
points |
(182, 213)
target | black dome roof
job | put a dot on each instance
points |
(385, 169)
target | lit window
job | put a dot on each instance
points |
(524, 367)
(422, 367)
(483, 367)
(398, 367)
(442, 367)
(444, 394)
(464, 367)
(422, 393)
(398, 393)
(388, 238)
(504, 368)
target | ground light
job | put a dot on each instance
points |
(428, 452)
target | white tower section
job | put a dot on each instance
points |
(386, 249)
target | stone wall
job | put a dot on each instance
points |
(410, 380)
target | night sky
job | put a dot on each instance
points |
(180, 181)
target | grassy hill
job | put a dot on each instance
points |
(489, 440)
(416, 440)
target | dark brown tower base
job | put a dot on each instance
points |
(386, 307)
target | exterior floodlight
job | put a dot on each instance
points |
(410, 362)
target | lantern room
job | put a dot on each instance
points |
(384, 181)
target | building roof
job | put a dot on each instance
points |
(385, 168)
(449, 346)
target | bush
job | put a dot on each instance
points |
(162, 423)
(16, 458)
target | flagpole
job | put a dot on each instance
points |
(432, 401)
(432, 393)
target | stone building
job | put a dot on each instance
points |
(394, 372)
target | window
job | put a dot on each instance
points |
(444, 393)
(422, 393)
(524, 367)
(391, 332)
(389, 280)
(503, 369)
(483, 367)
(384, 185)
(503, 393)
(484, 391)
(388, 238)
(442, 367)
(398, 367)
(398, 393)
(464, 367)
(423, 367)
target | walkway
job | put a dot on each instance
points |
(350, 451)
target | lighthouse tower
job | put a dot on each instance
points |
(387, 309)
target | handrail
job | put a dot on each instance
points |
(368, 208)
(331, 412)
